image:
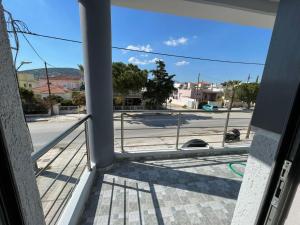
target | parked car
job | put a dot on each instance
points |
(208, 107)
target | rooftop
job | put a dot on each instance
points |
(54, 90)
(199, 190)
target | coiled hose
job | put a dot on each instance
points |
(233, 169)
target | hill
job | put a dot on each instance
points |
(53, 72)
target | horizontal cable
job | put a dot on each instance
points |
(147, 52)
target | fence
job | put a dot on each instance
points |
(170, 129)
(68, 109)
(59, 166)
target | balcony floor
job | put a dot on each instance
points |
(200, 190)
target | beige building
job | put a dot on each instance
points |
(27, 81)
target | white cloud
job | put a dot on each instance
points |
(182, 63)
(146, 48)
(137, 61)
(175, 42)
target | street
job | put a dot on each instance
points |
(144, 131)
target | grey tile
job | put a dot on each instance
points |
(178, 191)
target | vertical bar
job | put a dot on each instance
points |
(178, 129)
(249, 129)
(122, 132)
(227, 118)
(88, 162)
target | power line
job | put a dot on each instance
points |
(34, 49)
(153, 53)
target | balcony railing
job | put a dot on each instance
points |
(59, 166)
(137, 129)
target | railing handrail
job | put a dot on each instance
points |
(179, 111)
(42, 151)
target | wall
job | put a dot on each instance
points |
(281, 72)
(16, 133)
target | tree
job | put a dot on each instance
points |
(127, 78)
(247, 92)
(82, 85)
(30, 103)
(158, 89)
(229, 88)
(78, 98)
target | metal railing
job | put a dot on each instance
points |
(57, 179)
(178, 117)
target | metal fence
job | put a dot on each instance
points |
(134, 126)
(59, 166)
(69, 109)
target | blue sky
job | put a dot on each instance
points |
(149, 31)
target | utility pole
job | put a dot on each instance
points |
(248, 78)
(197, 93)
(49, 90)
(228, 115)
(257, 79)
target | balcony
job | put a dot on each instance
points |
(153, 180)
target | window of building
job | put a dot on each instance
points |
(30, 85)
(24, 85)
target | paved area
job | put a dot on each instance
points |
(166, 192)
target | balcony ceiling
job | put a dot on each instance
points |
(260, 13)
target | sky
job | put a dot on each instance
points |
(144, 30)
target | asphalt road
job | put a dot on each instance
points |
(138, 126)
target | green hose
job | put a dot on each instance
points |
(230, 165)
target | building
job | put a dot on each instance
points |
(189, 94)
(70, 82)
(43, 92)
(27, 81)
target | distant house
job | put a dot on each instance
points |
(190, 94)
(43, 92)
(70, 82)
(27, 81)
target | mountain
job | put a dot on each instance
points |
(53, 72)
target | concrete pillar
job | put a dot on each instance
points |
(16, 134)
(95, 22)
(273, 107)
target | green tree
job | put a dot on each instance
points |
(30, 103)
(127, 78)
(82, 85)
(78, 98)
(229, 88)
(158, 89)
(247, 92)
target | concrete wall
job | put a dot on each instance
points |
(16, 133)
(261, 156)
(293, 216)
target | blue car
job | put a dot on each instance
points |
(210, 108)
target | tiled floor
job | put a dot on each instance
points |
(186, 191)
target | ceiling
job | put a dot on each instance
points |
(260, 13)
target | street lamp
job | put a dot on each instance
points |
(23, 63)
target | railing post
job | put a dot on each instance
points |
(88, 156)
(228, 115)
(248, 129)
(178, 129)
(122, 132)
